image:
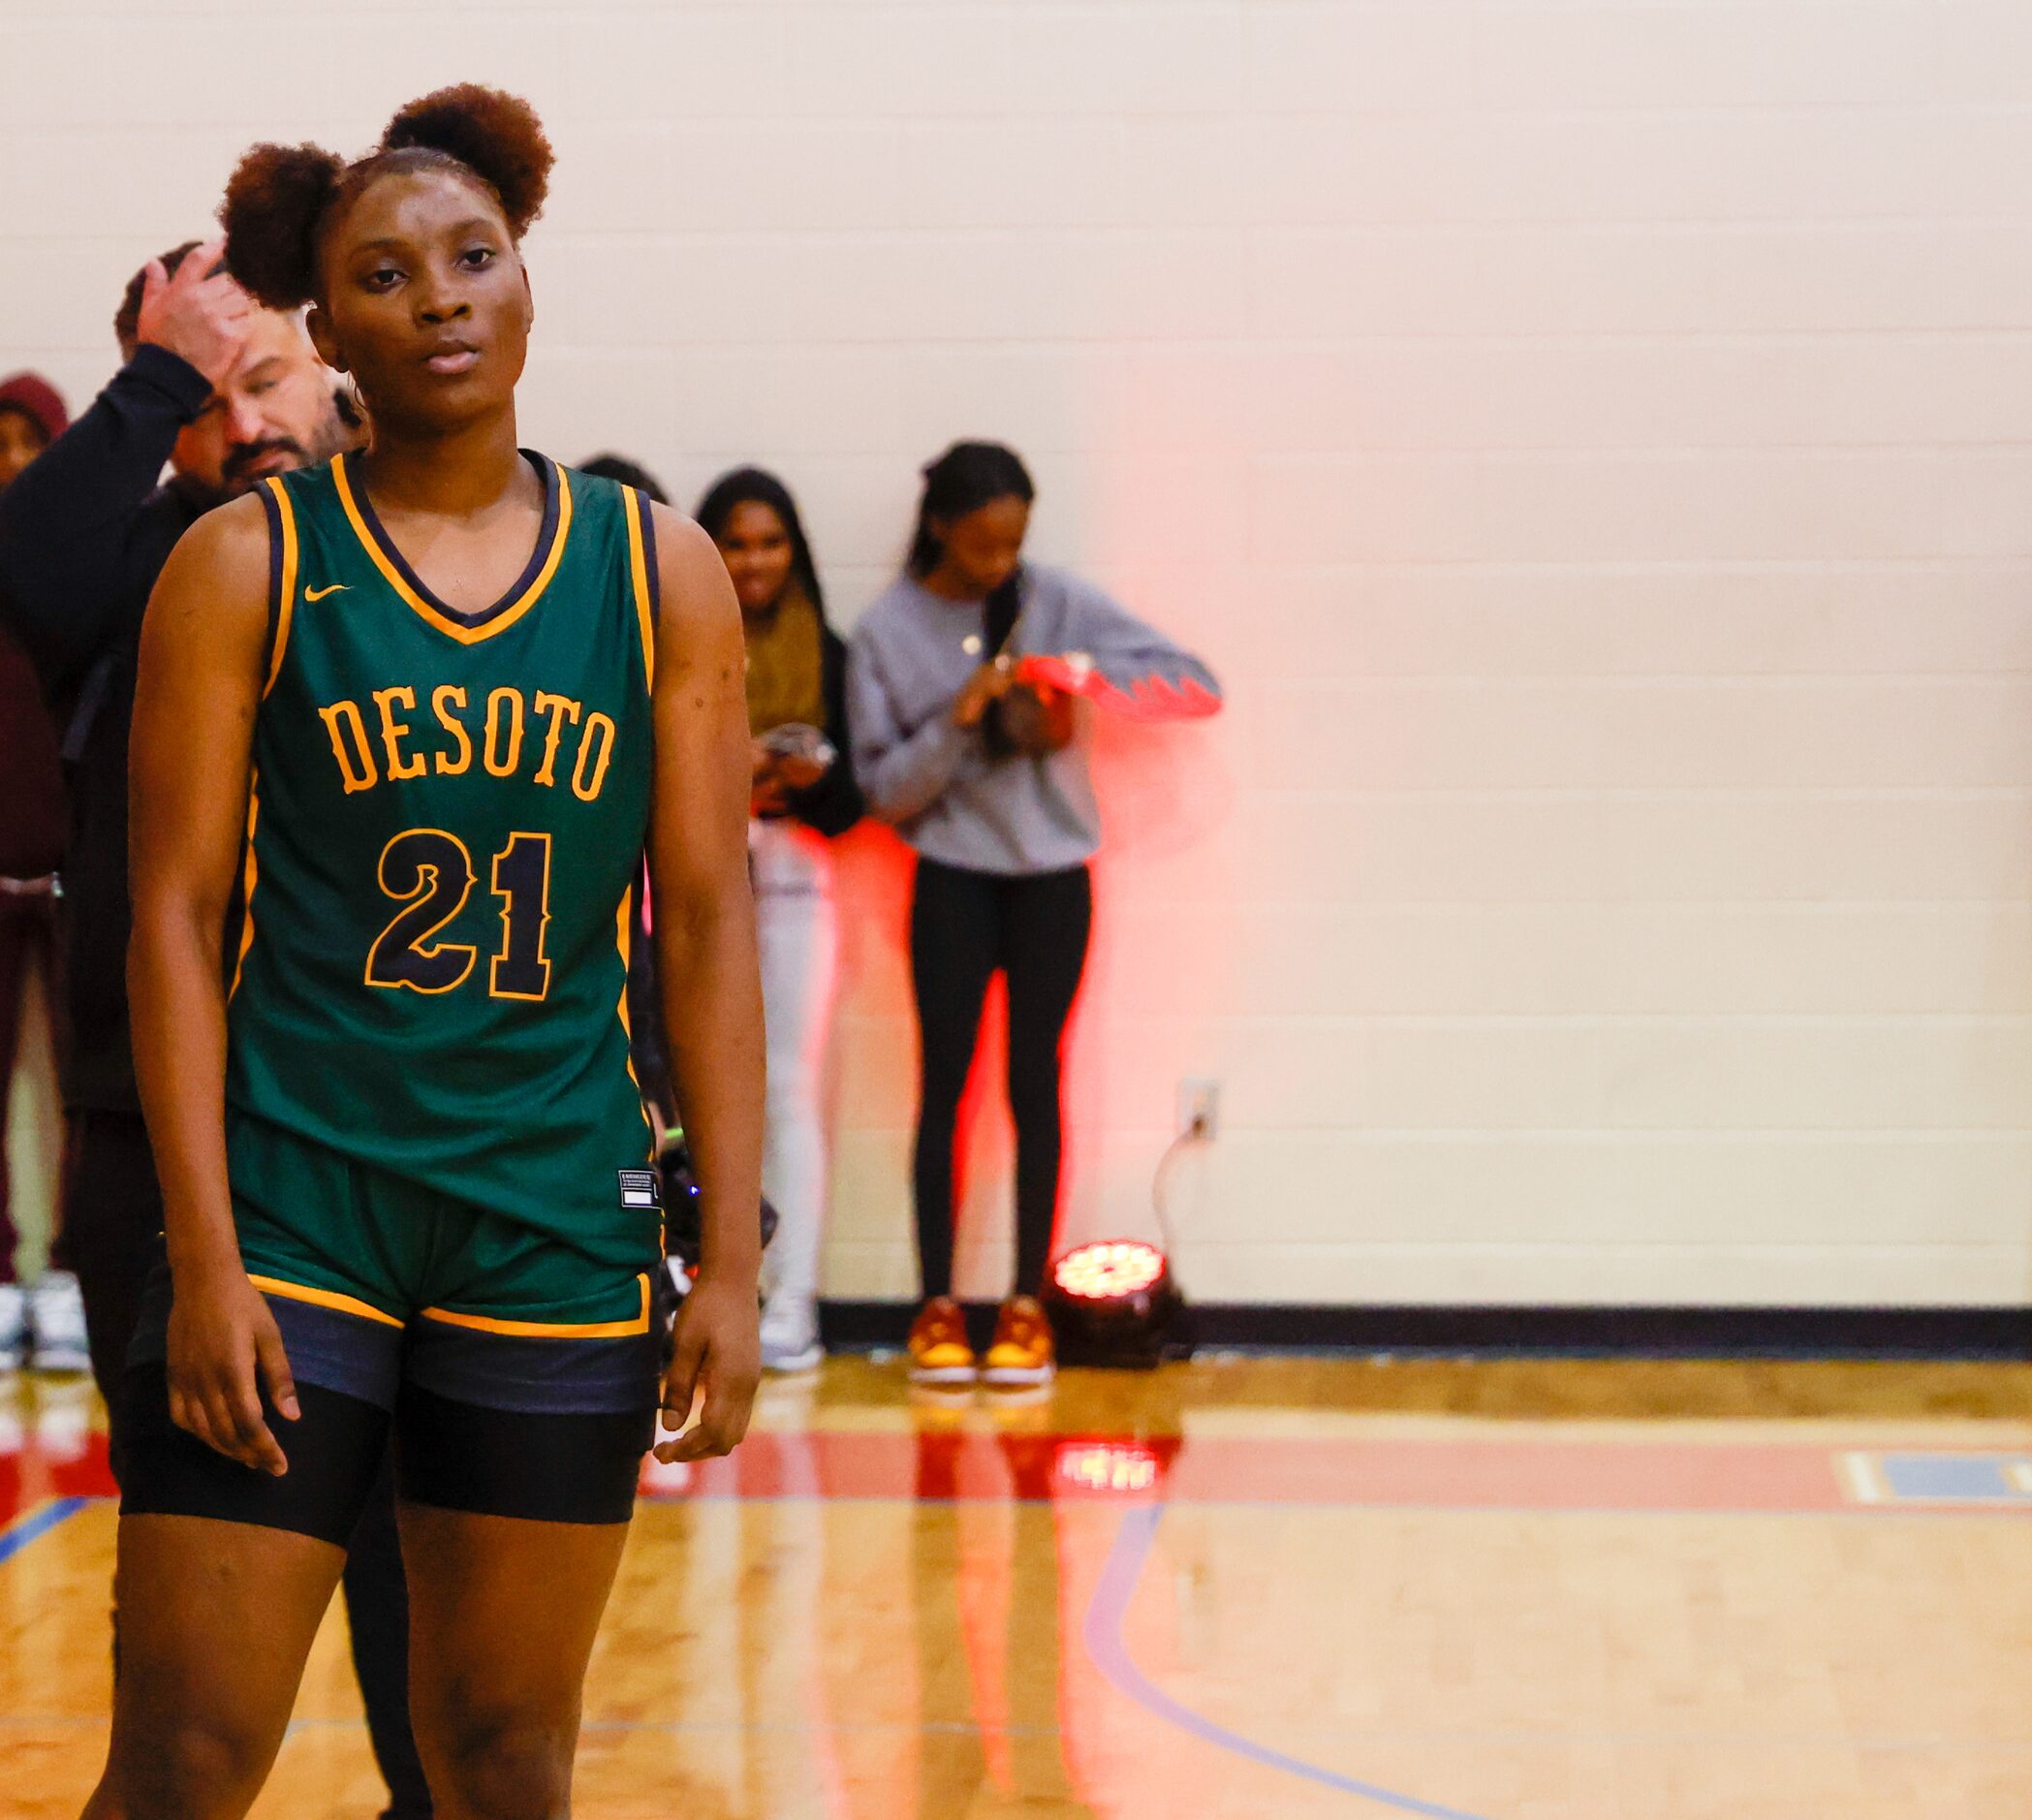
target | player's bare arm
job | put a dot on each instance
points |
(199, 685)
(711, 986)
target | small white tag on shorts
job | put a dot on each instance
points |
(640, 1188)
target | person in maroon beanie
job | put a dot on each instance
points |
(32, 417)
(43, 1325)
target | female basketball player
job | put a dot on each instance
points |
(420, 710)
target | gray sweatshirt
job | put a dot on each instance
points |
(908, 660)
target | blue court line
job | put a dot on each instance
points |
(1101, 1634)
(23, 1530)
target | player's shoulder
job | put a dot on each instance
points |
(228, 536)
(213, 590)
(694, 596)
(589, 489)
(311, 488)
(597, 506)
(679, 532)
(585, 484)
(685, 552)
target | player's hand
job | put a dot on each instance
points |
(224, 1345)
(986, 685)
(202, 320)
(719, 1353)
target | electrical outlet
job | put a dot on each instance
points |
(1198, 1110)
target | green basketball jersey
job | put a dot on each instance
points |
(445, 820)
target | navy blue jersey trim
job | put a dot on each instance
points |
(547, 471)
(272, 509)
(649, 520)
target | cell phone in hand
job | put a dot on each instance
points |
(796, 739)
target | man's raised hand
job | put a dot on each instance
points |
(199, 315)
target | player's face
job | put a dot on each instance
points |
(982, 546)
(755, 544)
(425, 303)
(20, 442)
(273, 413)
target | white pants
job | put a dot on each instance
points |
(797, 929)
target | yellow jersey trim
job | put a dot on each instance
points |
(285, 607)
(639, 571)
(421, 608)
(239, 962)
(624, 940)
(549, 1329)
(321, 1299)
(623, 933)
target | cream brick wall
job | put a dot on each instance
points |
(1591, 439)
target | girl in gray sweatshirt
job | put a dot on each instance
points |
(962, 681)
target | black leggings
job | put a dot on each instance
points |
(965, 927)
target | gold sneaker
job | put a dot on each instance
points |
(939, 1350)
(1024, 1351)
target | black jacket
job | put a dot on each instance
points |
(84, 534)
(833, 804)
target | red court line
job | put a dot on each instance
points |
(981, 1467)
(1466, 1474)
(34, 1472)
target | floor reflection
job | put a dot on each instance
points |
(896, 1608)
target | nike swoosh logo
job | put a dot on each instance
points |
(319, 593)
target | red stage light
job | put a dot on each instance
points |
(1112, 1303)
(1110, 1270)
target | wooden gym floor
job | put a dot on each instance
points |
(1272, 1590)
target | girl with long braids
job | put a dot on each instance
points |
(414, 715)
(964, 679)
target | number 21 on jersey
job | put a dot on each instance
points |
(430, 874)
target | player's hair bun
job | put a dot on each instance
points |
(275, 200)
(493, 133)
(279, 196)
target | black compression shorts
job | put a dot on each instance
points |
(501, 1425)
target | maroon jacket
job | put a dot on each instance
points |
(31, 780)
